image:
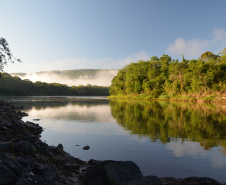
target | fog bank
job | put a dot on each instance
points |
(99, 78)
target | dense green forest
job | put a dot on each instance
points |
(15, 86)
(169, 121)
(164, 78)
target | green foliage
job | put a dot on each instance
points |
(15, 86)
(5, 54)
(164, 75)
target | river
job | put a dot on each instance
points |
(163, 138)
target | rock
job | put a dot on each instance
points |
(200, 181)
(7, 176)
(93, 161)
(30, 138)
(112, 172)
(5, 146)
(4, 128)
(189, 181)
(19, 129)
(86, 148)
(24, 147)
(60, 146)
(36, 119)
(148, 180)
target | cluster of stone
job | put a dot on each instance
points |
(25, 159)
(128, 173)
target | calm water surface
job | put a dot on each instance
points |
(163, 138)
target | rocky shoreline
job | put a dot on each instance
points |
(25, 160)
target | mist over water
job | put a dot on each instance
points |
(100, 78)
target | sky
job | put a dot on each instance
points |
(108, 34)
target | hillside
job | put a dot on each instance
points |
(100, 77)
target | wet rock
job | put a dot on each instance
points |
(86, 148)
(148, 180)
(115, 172)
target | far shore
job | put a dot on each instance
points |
(180, 98)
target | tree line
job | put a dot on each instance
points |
(15, 86)
(165, 76)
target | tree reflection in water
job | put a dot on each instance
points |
(170, 121)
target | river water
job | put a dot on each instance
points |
(163, 138)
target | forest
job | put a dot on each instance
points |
(15, 86)
(167, 78)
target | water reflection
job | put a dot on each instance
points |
(187, 139)
(169, 121)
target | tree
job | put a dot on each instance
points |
(5, 54)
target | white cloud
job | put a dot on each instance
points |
(195, 47)
(219, 35)
(194, 150)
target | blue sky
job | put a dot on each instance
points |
(108, 34)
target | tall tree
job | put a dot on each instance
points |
(5, 54)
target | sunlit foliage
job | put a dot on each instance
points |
(166, 76)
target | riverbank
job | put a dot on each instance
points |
(195, 97)
(25, 159)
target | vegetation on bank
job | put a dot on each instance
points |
(166, 79)
(15, 86)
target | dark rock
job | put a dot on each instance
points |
(86, 148)
(115, 172)
(36, 119)
(19, 129)
(93, 161)
(148, 180)
(199, 181)
(5, 146)
(7, 176)
(60, 146)
(24, 147)
(30, 138)
(189, 181)
(4, 128)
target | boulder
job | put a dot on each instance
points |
(30, 138)
(5, 146)
(112, 172)
(86, 148)
(24, 147)
(60, 146)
